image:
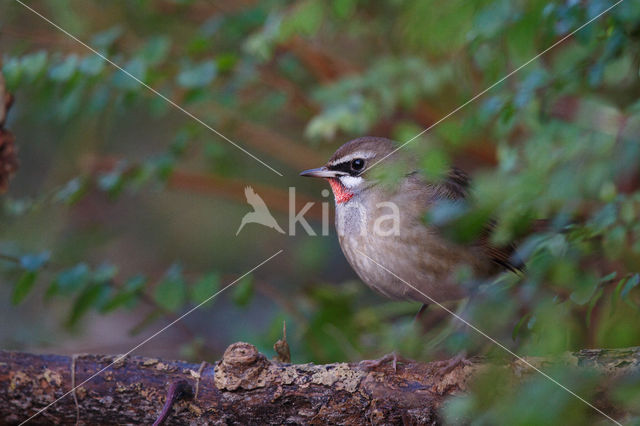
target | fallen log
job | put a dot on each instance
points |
(247, 388)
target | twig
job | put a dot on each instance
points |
(178, 390)
(200, 370)
(282, 346)
(9, 258)
(73, 387)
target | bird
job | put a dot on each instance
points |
(404, 250)
(260, 213)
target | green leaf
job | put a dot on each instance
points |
(72, 279)
(243, 291)
(445, 212)
(12, 72)
(72, 191)
(193, 76)
(88, 298)
(609, 277)
(344, 8)
(614, 241)
(64, 70)
(435, 164)
(156, 50)
(105, 272)
(181, 141)
(119, 299)
(604, 218)
(163, 166)
(616, 293)
(305, 19)
(71, 103)
(205, 287)
(198, 45)
(518, 327)
(532, 322)
(586, 287)
(23, 286)
(135, 67)
(633, 281)
(136, 283)
(34, 262)
(91, 65)
(127, 295)
(34, 64)
(114, 181)
(170, 293)
(226, 61)
(105, 39)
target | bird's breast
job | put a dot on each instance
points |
(407, 261)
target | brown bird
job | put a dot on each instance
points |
(417, 253)
(378, 224)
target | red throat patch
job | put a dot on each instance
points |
(339, 191)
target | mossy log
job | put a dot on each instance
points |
(247, 388)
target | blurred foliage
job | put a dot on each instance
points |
(112, 210)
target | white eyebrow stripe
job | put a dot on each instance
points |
(360, 154)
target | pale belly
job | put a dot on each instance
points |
(416, 265)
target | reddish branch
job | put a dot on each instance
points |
(233, 189)
(8, 157)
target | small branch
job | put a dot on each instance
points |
(8, 151)
(178, 390)
(9, 258)
(3, 104)
(73, 387)
(233, 189)
(283, 353)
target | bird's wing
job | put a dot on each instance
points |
(505, 257)
(508, 256)
(457, 183)
(455, 188)
(254, 199)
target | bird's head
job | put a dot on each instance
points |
(348, 169)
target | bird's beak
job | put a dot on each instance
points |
(321, 172)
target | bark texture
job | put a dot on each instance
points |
(246, 388)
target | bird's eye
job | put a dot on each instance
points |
(357, 164)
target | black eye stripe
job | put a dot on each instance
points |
(342, 167)
(347, 167)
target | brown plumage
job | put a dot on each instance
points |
(417, 253)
